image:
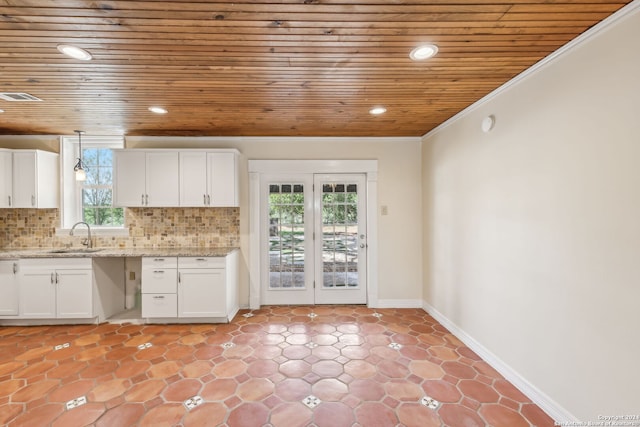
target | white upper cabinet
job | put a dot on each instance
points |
(145, 178)
(162, 179)
(222, 173)
(6, 179)
(129, 182)
(29, 179)
(208, 179)
(165, 178)
(193, 178)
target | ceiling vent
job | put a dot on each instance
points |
(18, 96)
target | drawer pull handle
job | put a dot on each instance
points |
(200, 259)
(158, 271)
(159, 297)
(158, 259)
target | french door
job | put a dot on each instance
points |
(314, 239)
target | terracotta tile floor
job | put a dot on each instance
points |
(280, 366)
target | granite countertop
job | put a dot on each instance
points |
(77, 252)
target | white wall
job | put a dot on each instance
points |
(399, 232)
(532, 231)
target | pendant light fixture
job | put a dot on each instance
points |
(81, 175)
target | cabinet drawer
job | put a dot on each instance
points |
(157, 280)
(201, 262)
(160, 262)
(159, 305)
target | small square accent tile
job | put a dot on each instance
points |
(193, 402)
(395, 346)
(311, 401)
(429, 402)
(61, 346)
(311, 344)
(145, 345)
(312, 315)
(228, 345)
(378, 315)
(247, 315)
(79, 401)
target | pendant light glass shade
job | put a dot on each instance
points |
(81, 175)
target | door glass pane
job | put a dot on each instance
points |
(286, 236)
(340, 235)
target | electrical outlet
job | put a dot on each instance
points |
(132, 275)
(384, 210)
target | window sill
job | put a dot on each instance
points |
(101, 231)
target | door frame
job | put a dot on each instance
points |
(257, 168)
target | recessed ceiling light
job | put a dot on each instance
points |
(424, 51)
(158, 110)
(75, 52)
(376, 111)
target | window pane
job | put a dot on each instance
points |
(106, 157)
(105, 175)
(90, 156)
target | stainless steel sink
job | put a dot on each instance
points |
(74, 251)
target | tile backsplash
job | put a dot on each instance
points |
(148, 228)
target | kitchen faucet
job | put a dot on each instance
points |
(87, 241)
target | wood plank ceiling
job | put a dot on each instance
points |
(269, 67)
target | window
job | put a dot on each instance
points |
(90, 200)
(97, 190)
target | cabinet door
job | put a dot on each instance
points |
(193, 179)
(37, 293)
(222, 180)
(201, 292)
(6, 179)
(162, 179)
(74, 294)
(9, 288)
(24, 179)
(129, 178)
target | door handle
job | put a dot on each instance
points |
(204, 199)
(142, 202)
(9, 200)
(179, 277)
(208, 200)
(146, 199)
(33, 200)
(52, 278)
(57, 278)
(15, 267)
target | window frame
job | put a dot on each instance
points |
(71, 190)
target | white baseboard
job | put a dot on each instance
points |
(548, 405)
(398, 303)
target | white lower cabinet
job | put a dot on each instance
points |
(56, 288)
(202, 287)
(9, 290)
